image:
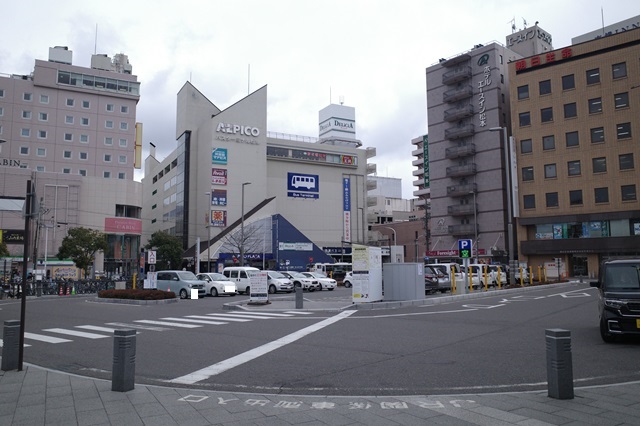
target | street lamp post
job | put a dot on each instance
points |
(209, 231)
(507, 166)
(395, 243)
(242, 226)
(475, 224)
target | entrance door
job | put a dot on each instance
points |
(580, 266)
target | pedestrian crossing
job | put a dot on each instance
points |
(94, 332)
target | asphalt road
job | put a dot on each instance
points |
(491, 344)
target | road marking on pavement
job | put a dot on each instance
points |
(44, 338)
(218, 317)
(237, 360)
(75, 333)
(298, 312)
(256, 313)
(194, 320)
(97, 328)
(121, 325)
(169, 324)
(256, 316)
(24, 346)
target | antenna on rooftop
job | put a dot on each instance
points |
(95, 43)
(513, 25)
(341, 100)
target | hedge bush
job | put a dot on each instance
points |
(137, 294)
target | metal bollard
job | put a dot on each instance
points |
(559, 363)
(11, 345)
(299, 299)
(124, 360)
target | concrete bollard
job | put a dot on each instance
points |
(299, 299)
(559, 364)
(124, 360)
(11, 345)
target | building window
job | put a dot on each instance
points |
(523, 92)
(623, 130)
(593, 76)
(70, 102)
(529, 201)
(526, 146)
(25, 133)
(619, 70)
(66, 171)
(44, 99)
(502, 78)
(621, 100)
(601, 195)
(40, 169)
(124, 109)
(628, 192)
(546, 115)
(568, 82)
(570, 110)
(1, 93)
(123, 143)
(110, 108)
(551, 199)
(595, 105)
(42, 134)
(41, 152)
(573, 168)
(527, 174)
(572, 139)
(43, 116)
(82, 172)
(107, 158)
(84, 138)
(575, 197)
(86, 104)
(525, 119)
(24, 150)
(106, 175)
(550, 171)
(548, 142)
(108, 124)
(27, 97)
(108, 141)
(545, 87)
(122, 159)
(124, 126)
(83, 155)
(84, 121)
(597, 135)
(68, 137)
(122, 175)
(625, 161)
(599, 164)
(26, 115)
(1, 111)
(68, 119)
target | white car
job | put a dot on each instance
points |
(217, 284)
(300, 280)
(323, 280)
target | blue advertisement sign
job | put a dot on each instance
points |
(301, 185)
(346, 191)
(219, 156)
(219, 197)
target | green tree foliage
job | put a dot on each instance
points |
(168, 250)
(4, 250)
(81, 246)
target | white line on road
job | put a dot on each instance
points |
(170, 324)
(237, 360)
(97, 328)
(75, 333)
(254, 316)
(44, 338)
(197, 321)
(25, 345)
(218, 317)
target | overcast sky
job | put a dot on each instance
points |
(372, 53)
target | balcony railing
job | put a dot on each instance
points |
(458, 171)
(456, 75)
(460, 151)
(371, 168)
(459, 131)
(459, 230)
(461, 190)
(461, 209)
(455, 114)
(459, 93)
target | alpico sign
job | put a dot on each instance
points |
(235, 129)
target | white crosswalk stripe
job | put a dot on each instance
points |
(136, 326)
(75, 333)
(168, 324)
(96, 328)
(43, 338)
(253, 316)
(257, 314)
(218, 317)
(25, 345)
(299, 312)
(197, 321)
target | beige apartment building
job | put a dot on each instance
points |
(575, 116)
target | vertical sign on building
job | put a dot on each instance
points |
(425, 159)
(346, 207)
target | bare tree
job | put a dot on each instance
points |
(251, 243)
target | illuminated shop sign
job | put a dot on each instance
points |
(11, 236)
(543, 59)
(219, 197)
(218, 218)
(219, 156)
(121, 225)
(219, 176)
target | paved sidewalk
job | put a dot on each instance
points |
(36, 396)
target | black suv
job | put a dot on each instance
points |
(619, 301)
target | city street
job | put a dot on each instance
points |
(491, 344)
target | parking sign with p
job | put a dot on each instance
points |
(464, 248)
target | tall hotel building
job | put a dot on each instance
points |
(575, 119)
(467, 95)
(72, 131)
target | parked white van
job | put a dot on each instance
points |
(240, 276)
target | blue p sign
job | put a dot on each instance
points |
(464, 248)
